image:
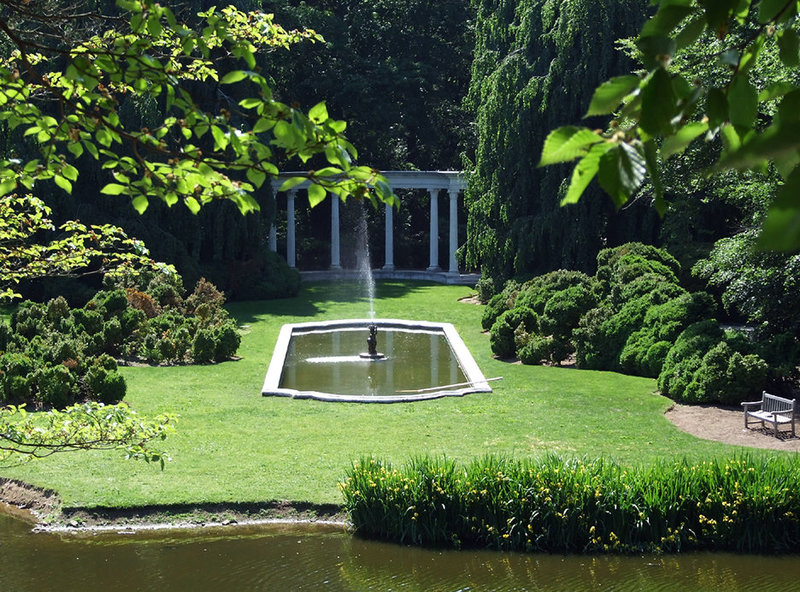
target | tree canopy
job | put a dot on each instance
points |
(536, 64)
(660, 111)
(68, 72)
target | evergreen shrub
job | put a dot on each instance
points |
(501, 336)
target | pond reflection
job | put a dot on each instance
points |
(294, 558)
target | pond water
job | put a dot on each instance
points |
(329, 362)
(295, 558)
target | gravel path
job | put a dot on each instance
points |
(726, 424)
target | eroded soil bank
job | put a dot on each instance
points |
(44, 510)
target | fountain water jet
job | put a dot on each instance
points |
(321, 360)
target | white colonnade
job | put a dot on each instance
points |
(433, 181)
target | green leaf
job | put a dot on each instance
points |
(789, 47)
(717, 107)
(656, 50)
(769, 9)
(775, 91)
(318, 113)
(622, 171)
(691, 32)
(789, 108)
(659, 103)
(8, 186)
(256, 177)
(776, 142)
(69, 172)
(742, 102)
(140, 203)
(65, 184)
(114, 189)
(666, 19)
(567, 143)
(584, 172)
(250, 103)
(651, 160)
(233, 77)
(75, 148)
(220, 139)
(316, 194)
(608, 96)
(781, 228)
(192, 204)
(677, 143)
(719, 13)
(291, 183)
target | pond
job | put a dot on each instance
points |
(412, 360)
(293, 558)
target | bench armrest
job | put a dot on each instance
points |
(748, 404)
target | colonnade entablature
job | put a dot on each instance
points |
(431, 181)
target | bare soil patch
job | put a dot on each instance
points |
(44, 508)
(726, 424)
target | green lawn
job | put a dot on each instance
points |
(233, 445)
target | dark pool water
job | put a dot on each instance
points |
(329, 362)
(289, 558)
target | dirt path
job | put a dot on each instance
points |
(726, 424)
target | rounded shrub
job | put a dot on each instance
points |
(104, 385)
(501, 336)
(88, 321)
(537, 292)
(57, 309)
(726, 376)
(15, 371)
(227, 342)
(485, 289)
(686, 357)
(56, 386)
(203, 346)
(110, 302)
(564, 309)
(536, 350)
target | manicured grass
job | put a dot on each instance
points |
(233, 445)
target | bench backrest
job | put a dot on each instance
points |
(776, 404)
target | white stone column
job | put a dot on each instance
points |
(336, 262)
(434, 233)
(453, 267)
(389, 239)
(291, 254)
(273, 238)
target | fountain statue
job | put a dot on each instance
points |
(372, 345)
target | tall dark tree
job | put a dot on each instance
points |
(536, 65)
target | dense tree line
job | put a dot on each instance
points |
(536, 65)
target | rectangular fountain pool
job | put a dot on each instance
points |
(329, 361)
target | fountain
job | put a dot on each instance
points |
(372, 345)
(325, 360)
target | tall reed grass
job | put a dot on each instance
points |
(572, 505)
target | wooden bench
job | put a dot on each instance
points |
(770, 409)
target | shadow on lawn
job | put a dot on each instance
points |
(314, 298)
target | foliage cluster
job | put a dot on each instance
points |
(535, 67)
(744, 102)
(560, 505)
(634, 317)
(52, 355)
(84, 426)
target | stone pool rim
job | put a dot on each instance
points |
(477, 381)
